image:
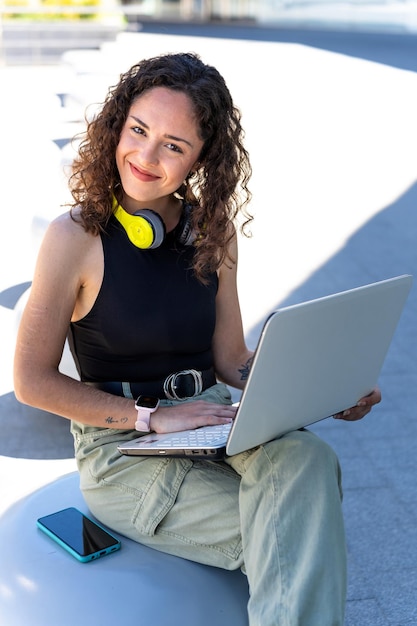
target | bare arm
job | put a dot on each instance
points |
(60, 281)
(231, 355)
(67, 277)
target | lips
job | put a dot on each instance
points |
(142, 175)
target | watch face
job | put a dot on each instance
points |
(147, 402)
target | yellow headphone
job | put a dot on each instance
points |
(146, 229)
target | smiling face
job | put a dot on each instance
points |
(159, 145)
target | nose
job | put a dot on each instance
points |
(149, 153)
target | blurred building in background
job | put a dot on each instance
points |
(392, 11)
(40, 31)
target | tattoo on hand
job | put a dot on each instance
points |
(244, 371)
(112, 420)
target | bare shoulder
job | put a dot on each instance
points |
(67, 227)
(68, 249)
(66, 237)
(69, 268)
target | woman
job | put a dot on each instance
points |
(141, 275)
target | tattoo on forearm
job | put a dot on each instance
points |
(245, 369)
(113, 420)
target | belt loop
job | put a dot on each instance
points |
(127, 391)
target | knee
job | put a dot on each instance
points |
(309, 447)
(303, 454)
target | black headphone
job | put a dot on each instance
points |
(146, 229)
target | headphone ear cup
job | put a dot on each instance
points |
(186, 235)
(146, 230)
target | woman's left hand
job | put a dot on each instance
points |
(362, 408)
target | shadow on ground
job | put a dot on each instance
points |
(390, 48)
(377, 454)
(33, 433)
(384, 247)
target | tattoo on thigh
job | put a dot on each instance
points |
(245, 369)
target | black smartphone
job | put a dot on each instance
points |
(78, 534)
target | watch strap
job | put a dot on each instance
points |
(144, 418)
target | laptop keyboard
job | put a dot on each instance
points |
(201, 437)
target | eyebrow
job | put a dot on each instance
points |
(167, 136)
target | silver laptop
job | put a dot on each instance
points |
(312, 361)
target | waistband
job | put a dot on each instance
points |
(177, 386)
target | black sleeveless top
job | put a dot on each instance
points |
(151, 317)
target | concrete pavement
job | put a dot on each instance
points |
(333, 143)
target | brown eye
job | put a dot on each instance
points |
(173, 147)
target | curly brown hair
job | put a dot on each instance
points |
(217, 191)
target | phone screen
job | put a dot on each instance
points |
(78, 532)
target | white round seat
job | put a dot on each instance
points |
(42, 585)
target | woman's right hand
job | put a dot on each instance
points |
(189, 415)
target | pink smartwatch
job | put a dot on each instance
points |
(145, 405)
